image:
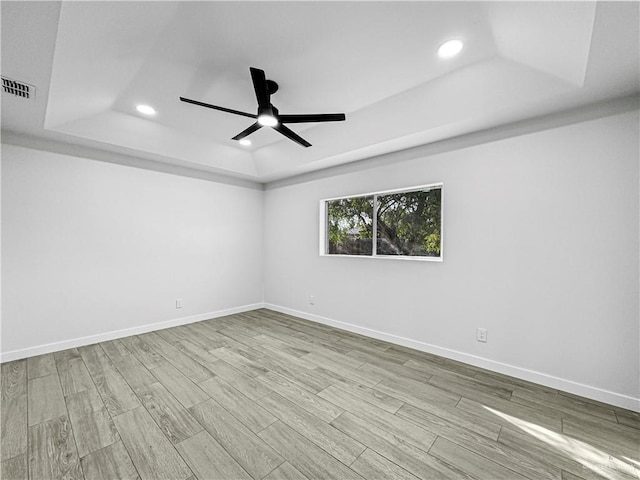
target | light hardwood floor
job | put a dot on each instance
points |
(262, 395)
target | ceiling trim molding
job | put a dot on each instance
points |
(581, 114)
(594, 111)
(92, 153)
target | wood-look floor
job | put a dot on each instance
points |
(262, 395)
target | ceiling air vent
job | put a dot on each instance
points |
(19, 89)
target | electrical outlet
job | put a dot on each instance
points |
(312, 300)
(481, 335)
(179, 303)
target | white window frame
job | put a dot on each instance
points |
(324, 233)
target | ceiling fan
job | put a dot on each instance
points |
(268, 115)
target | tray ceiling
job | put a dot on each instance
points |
(93, 62)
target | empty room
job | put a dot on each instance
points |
(320, 240)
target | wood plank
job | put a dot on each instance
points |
(412, 354)
(397, 429)
(240, 362)
(500, 411)
(416, 393)
(367, 356)
(52, 451)
(499, 453)
(239, 335)
(280, 345)
(172, 418)
(248, 386)
(208, 460)
(617, 440)
(570, 476)
(41, 366)
(74, 376)
(151, 453)
(373, 396)
(324, 356)
(286, 471)
(373, 465)
(187, 365)
(314, 333)
(307, 376)
(111, 462)
(628, 418)
(470, 462)
(199, 354)
(330, 439)
(356, 375)
(252, 415)
(15, 468)
(185, 391)
(114, 390)
(115, 349)
(365, 344)
(284, 352)
(65, 355)
(206, 337)
(403, 454)
(134, 372)
(508, 382)
(143, 352)
(91, 422)
(170, 335)
(444, 366)
(390, 372)
(305, 456)
(563, 452)
(461, 368)
(254, 455)
(573, 405)
(45, 399)
(453, 416)
(313, 404)
(13, 409)
(470, 388)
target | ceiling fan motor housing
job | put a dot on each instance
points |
(272, 87)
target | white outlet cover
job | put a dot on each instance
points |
(481, 335)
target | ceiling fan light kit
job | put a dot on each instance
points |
(268, 115)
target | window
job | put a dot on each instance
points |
(403, 223)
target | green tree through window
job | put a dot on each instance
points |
(408, 223)
(351, 226)
(400, 223)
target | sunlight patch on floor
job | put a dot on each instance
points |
(584, 453)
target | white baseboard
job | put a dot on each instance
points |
(594, 393)
(103, 337)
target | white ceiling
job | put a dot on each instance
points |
(93, 62)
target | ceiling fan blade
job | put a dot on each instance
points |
(215, 107)
(260, 86)
(247, 131)
(287, 132)
(320, 117)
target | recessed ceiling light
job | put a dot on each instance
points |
(146, 109)
(245, 141)
(450, 48)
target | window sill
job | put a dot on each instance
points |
(386, 257)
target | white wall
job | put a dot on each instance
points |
(95, 249)
(540, 247)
